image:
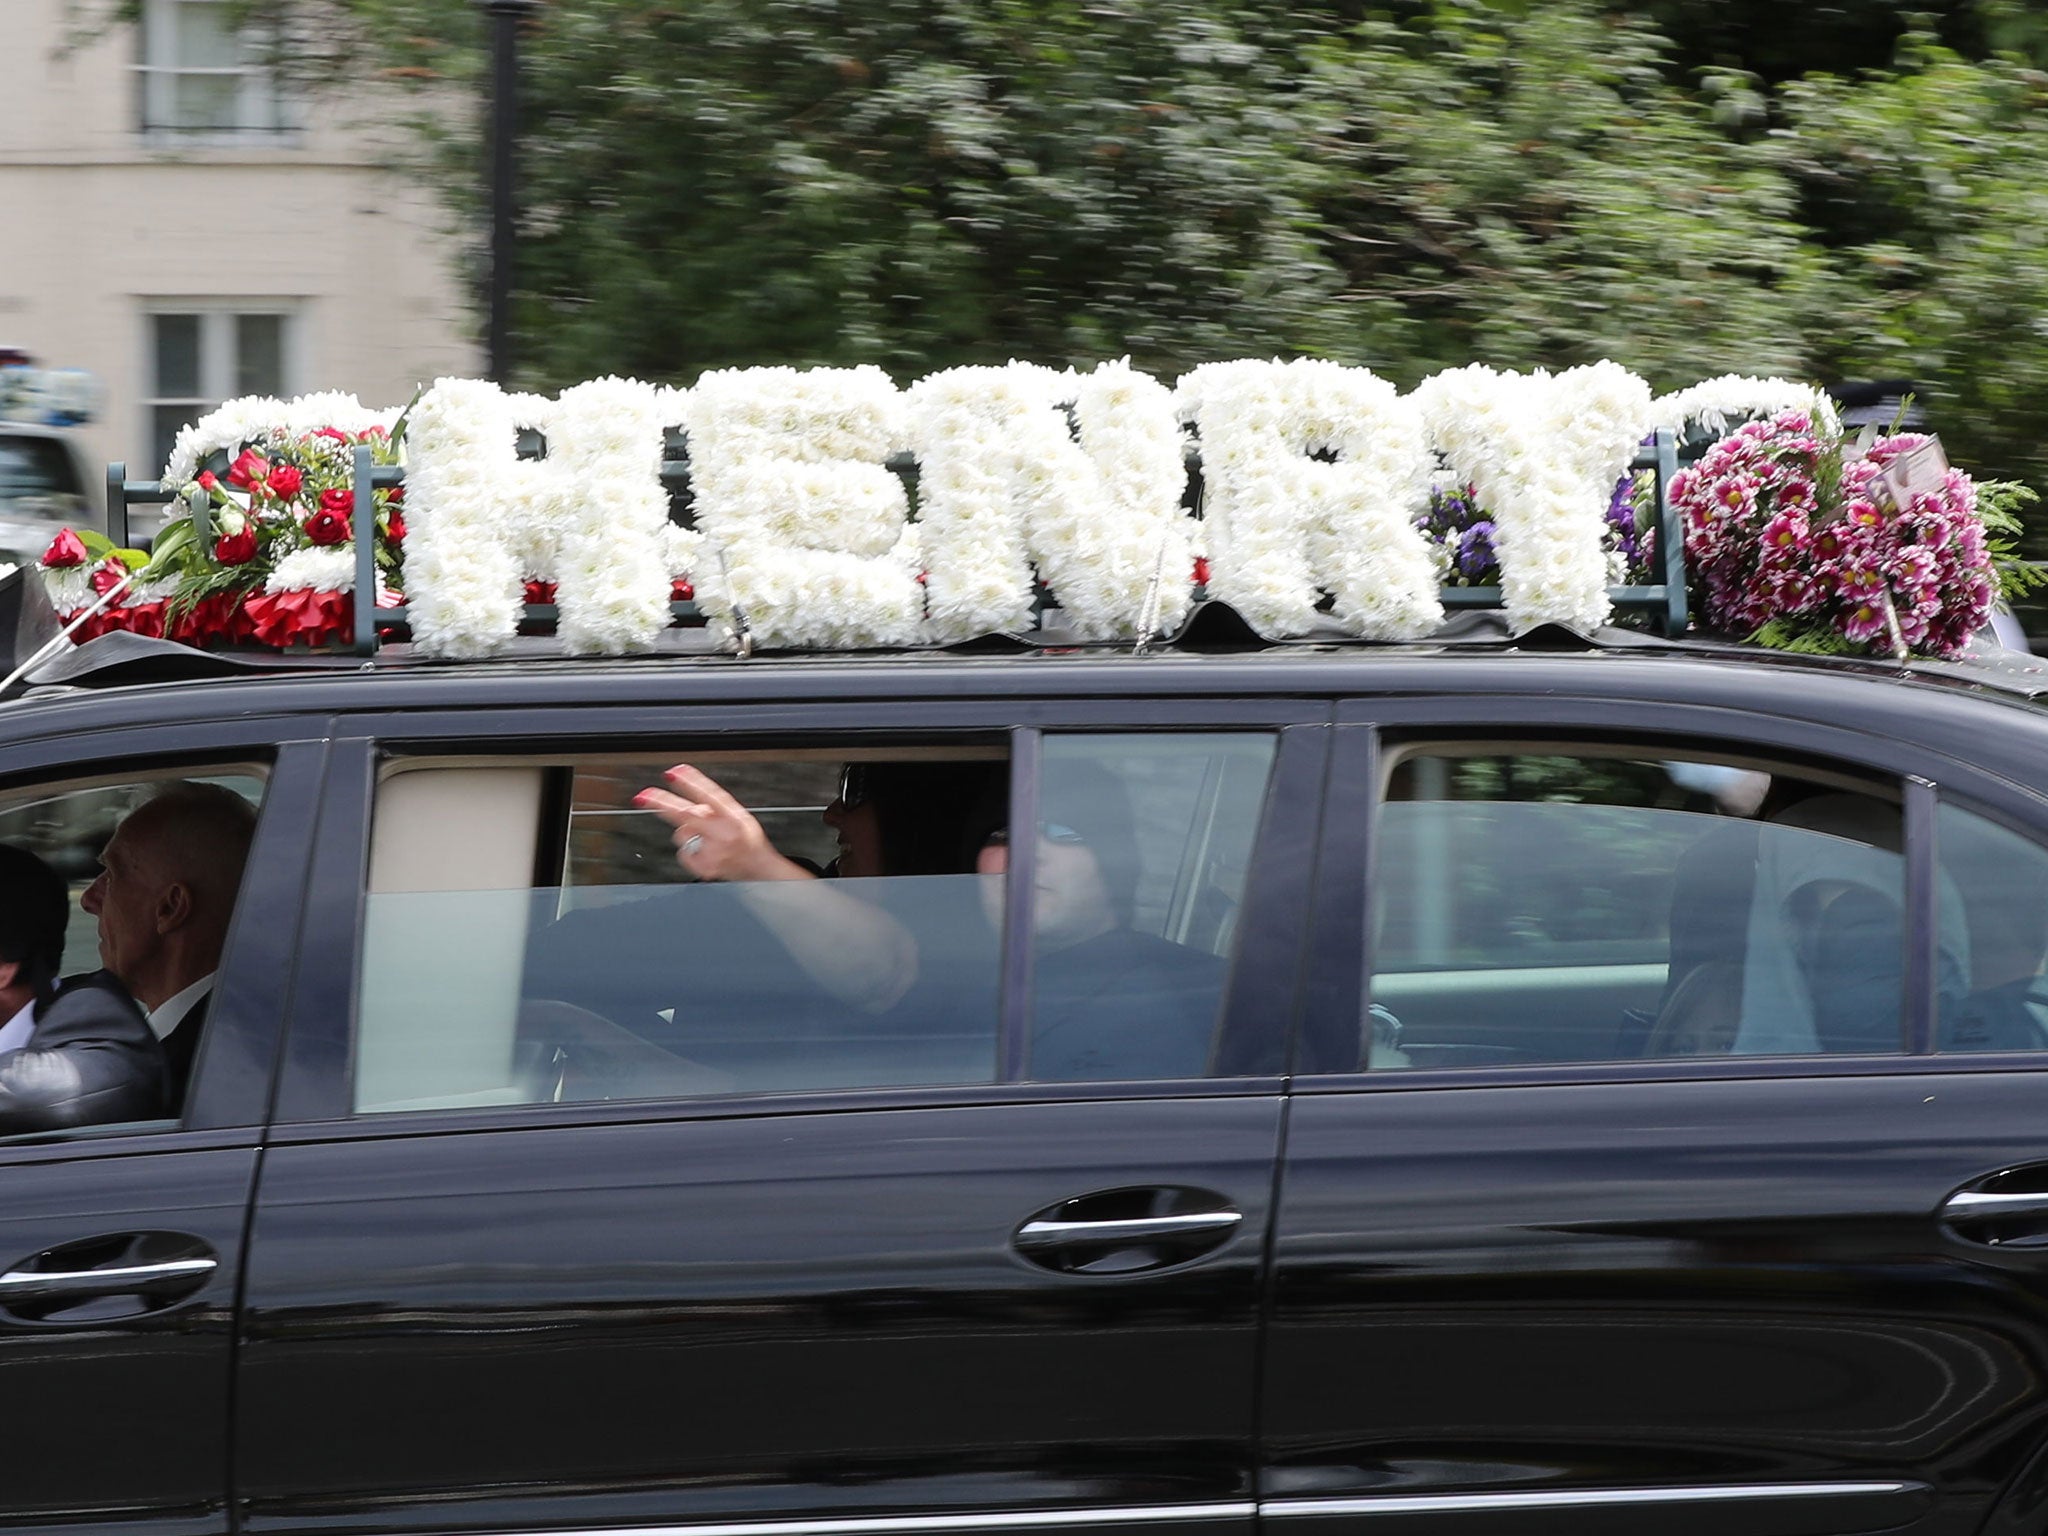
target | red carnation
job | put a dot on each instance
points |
(337, 501)
(286, 481)
(248, 471)
(208, 480)
(1201, 571)
(65, 551)
(336, 433)
(325, 527)
(235, 548)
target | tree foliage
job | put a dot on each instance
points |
(1688, 186)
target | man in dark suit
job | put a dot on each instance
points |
(79, 1053)
(165, 893)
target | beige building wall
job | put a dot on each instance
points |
(100, 222)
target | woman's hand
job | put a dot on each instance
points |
(716, 837)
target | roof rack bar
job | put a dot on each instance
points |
(363, 528)
(1670, 533)
(117, 503)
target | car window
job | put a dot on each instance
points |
(1996, 925)
(531, 934)
(35, 466)
(1549, 906)
(187, 828)
(1143, 849)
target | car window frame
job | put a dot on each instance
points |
(234, 1071)
(1340, 964)
(314, 1096)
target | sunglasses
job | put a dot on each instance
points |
(1051, 831)
(853, 786)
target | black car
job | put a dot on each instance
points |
(1566, 1087)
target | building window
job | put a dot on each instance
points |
(200, 73)
(200, 354)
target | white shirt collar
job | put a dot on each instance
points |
(170, 1013)
(15, 1033)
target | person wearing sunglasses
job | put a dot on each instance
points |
(1108, 1001)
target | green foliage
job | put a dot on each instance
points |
(1999, 503)
(1804, 639)
(1687, 186)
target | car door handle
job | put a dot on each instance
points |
(1126, 1231)
(1981, 1205)
(1042, 1234)
(19, 1285)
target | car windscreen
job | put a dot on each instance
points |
(36, 466)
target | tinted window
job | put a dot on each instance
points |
(35, 466)
(531, 934)
(1542, 907)
(1144, 843)
(1995, 932)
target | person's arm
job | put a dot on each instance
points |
(856, 951)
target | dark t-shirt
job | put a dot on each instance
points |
(1124, 1005)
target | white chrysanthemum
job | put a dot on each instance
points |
(1004, 485)
(608, 557)
(329, 568)
(1718, 404)
(463, 577)
(1543, 453)
(800, 518)
(1283, 526)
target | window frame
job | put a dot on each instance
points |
(1367, 729)
(219, 355)
(315, 1096)
(263, 111)
(232, 1076)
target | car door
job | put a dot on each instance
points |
(1627, 1212)
(121, 1245)
(785, 1283)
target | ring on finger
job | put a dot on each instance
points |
(690, 846)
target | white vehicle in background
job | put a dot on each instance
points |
(44, 486)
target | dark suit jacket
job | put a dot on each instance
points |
(92, 1060)
(178, 1048)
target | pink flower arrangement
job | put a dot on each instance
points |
(1783, 550)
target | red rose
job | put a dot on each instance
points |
(235, 548)
(208, 480)
(286, 481)
(337, 501)
(325, 527)
(108, 576)
(395, 495)
(65, 551)
(335, 433)
(394, 528)
(680, 590)
(249, 470)
(1201, 571)
(540, 592)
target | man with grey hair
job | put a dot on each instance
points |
(164, 895)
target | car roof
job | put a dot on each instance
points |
(1989, 698)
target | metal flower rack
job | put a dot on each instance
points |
(1663, 602)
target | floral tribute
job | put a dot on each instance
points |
(1311, 471)
(1799, 540)
(277, 566)
(1329, 499)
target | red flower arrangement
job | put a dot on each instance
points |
(277, 567)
